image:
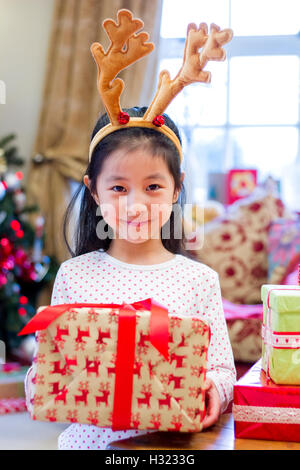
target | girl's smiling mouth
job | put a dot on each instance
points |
(135, 223)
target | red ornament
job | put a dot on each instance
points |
(4, 242)
(22, 311)
(123, 118)
(20, 233)
(6, 246)
(33, 276)
(3, 280)
(20, 256)
(8, 264)
(15, 225)
(158, 121)
(23, 300)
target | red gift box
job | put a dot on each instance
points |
(240, 183)
(12, 405)
(264, 410)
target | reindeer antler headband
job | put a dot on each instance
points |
(126, 48)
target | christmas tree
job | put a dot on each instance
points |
(24, 269)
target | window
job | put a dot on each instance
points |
(248, 117)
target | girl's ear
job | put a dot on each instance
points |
(87, 183)
(177, 191)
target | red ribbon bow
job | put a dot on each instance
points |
(158, 333)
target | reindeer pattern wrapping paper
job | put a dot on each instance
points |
(74, 371)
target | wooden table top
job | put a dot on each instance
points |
(218, 437)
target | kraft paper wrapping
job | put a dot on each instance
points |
(283, 364)
(74, 372)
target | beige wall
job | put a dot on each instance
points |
(24, 34)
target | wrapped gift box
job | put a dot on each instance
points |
(12, 377)
(12, 405)
(240, 183)
(281, 333)
(121, 366)
(264, 410)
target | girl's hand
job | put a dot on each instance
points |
(212, 403)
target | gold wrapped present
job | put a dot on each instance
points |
(129, 366)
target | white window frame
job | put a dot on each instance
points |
(241, 46)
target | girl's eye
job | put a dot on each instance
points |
(154, 185)
(150, 185)
(117, 187)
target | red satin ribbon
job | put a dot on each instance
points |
(124, 368)
(159, 336)
(159, 320)
(158, 333)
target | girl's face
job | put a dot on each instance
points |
(135, 192)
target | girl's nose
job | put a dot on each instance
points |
(133, 206)
(136, 201)
(136, 209)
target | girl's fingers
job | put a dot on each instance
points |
(207, 384)
(211, 416)
(213, 406)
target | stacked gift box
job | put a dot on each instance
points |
(12, 377)
(267, 398)
(12, 393)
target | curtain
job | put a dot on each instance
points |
(71, 103)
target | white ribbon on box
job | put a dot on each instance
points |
(263, 414)
(280, 340)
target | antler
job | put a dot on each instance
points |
(126, 48)
(193, 65)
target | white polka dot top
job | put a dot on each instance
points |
(182, 285)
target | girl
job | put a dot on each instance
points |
(126, 250)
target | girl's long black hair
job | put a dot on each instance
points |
(85, 227)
